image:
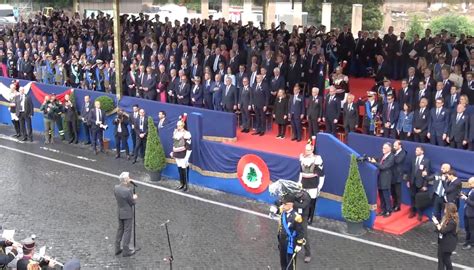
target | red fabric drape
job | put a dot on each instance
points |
(39, 94)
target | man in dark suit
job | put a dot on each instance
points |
(217, 88)
(470, 135)
(437, 193)
(399, 174)
(239, 77)
(314, 112)
(416, 182)
(24, 111)
(183, 92)
(121, 133)
(86, 108)
(148, 85)
(294, 72)
(385, 167)
(453, 188)
(207, 91)
(141, 131)
(469, 215)
(197, 99)
(452, 100)
(276, 83)
(296, 112)
(458, 128)
(420, 122)
(97, 121)
(382, 69)
(468, 87)
(216, 59)
(229, 96)
(390, 113)
(403, 48)
(126, 199)
(162, 120)
(438, 124)
(172, 87)
(196, 69)
(332, 109)
(422, 93)
(244, 105)
(259, 98)
(439, 93)
(350, 115)
(405, 95)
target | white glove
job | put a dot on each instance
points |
(297, 249)
(273, 209)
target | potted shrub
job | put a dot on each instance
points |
(355, 206)
(155, 160)
(106, 104)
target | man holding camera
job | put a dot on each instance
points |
(126, 199)
(439, 189)
(385, 166)
(469, 215)
(417, 183)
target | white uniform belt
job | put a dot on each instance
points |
(179, 149)
(308, 175)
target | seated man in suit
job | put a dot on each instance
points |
(458, 128)
(416, 182)
(438, 124)
(97, 121)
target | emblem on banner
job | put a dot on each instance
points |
(253, 174)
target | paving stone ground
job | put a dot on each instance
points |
(73, 212)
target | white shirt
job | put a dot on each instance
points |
(22, 104)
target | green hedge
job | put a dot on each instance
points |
(355, 206)
(155, 159)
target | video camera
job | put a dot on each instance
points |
(363, 158)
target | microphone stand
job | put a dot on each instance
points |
(134, 223)
(170, 258)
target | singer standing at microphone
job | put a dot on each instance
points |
(126, 199)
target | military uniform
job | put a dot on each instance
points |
(12, 67)
(312, 179)
(303, 207)
(48, 108)
(58, 117)
(181, 153)
(290, 235)
(14, 117)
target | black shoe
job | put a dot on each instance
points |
(246, 130)
(256, 133)
(118, 251)
(298, 140)
(380, 214)
(24, 139)
(134, 161)
(293, 139)
(387, 214)
(87, 143)
(180, 187)
(31, 139)
(17, 135)
(396, 209)
(117, 156)
(128, 254)
(278, 136)
(411, 215)
(420, 217)
(262, 133)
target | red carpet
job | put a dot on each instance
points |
(398, 223)
(268, 143)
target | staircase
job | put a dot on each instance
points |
(398, 223)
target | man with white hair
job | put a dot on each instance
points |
(126, 199)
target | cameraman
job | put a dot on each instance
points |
(469, 215)
(385, 166)
(5, 259)
(439, 189)
(121, 133)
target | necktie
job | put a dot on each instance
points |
(388, 111)
(311, 65)
(440, 189)
(330, 99)
(452, 100)
(141, 123)
(421, 111)
(227, 90)
(98, 115)
(418, 162)
(437, 113)
(458, 117)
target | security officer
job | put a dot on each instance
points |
(303, 205)
(290, 233)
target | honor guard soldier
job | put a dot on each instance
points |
(182, 151)
(28, 252)
(311, 176)
(58, 115)
(290, 233)
(12, 107)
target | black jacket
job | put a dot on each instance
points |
(449, 237)
(385, 172)
(123, 122)
(28, 105)
(416, 178)
(399, 167)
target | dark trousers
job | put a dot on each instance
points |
(469, 227)
(72, 130)
(16, 124)
(296, 126)
(367, 131)
(97, 135)
(59, 124)
(313, 126)
(281, 130)
(134, 138)
(349, 127)
(26, 129)
(124, 234)
(437, 140)
(139, 147)
(438, 206)
(419, 137)
(330, 126)
(286, 262)
(87, 130)
(396, 191)
(150, 95)
(208, 102)
(404, 136)
(389, 133)
(307, 247)
(245, 118)
(444, 260)
(413, 191)
(458, 145)
(386, 204)
(121, 141)
(260, 120)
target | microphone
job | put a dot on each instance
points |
(164, 223)
(133, 183)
